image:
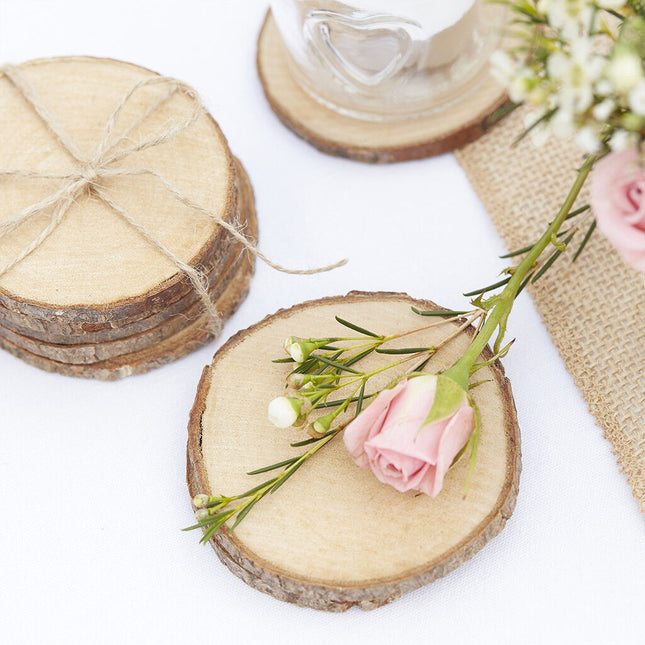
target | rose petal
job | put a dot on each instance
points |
(368, 423)
(453, 439)
(405, 417)
(618, 200)
(386, 471)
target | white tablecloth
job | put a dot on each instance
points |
(92, 474)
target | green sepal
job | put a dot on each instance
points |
(449, 396)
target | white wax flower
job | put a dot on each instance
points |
(624, 71)
(603, 110)
(636, 99)
(622, 140)
(587, 139)
(284, 411)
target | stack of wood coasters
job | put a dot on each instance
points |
(116, 188)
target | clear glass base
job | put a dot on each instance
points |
(384, 67)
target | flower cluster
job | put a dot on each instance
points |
(580, 64)
(408, 433)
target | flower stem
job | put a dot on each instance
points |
(460, 371)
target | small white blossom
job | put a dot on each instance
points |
(571, 17)
(603, 87)
(519, 88)
(636, 99)
(624, 71)
(576, 72)
(562, 124)
(587, 139)
(622, 140)
(502, 65)
(602, 111)
(284, 411)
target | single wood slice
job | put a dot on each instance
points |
(374, 142)
(189, 339)
(86, 352)
(95, 268)
(334, 536)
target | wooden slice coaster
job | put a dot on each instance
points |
(88, 353)
(334, 536)
(374, 142)
(86, 350)
(181, 344)
(95, 268)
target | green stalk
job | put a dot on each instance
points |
(460, 371)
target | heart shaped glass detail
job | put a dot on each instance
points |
(363, 52)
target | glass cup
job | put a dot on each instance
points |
(385, 59)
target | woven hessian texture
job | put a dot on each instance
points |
(594, 308)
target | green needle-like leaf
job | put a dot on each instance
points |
(361, 397)
(404, 350)
(338, 366)
(308, 442)
(360, 330)
(287, 474)
(577, 212)
(359, 357)
(244, 512)
(587, 237)
(266, 469)
(444, 313)
(545, 117)
(335, 404)
(422, 366)
(490, 287)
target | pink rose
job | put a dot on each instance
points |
(618, 202)
(393, 438)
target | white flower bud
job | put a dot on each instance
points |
(636, 99)
(562, 123)
(199, 501)
(602, 111)
(625, 70)
(558, 66)
(502, 66)
(288, 342)
(297, 352)
(296, 380)
(284, 411)
(201, 514)
(622, 140)
(587, 140)
(518, 89)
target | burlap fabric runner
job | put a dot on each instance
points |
(594, 308)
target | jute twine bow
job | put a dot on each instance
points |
(92, 171)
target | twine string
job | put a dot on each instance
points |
(92, 171)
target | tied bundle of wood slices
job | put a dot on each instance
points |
(124, 218)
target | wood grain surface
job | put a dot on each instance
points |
(333, 536)
(370, 141)
(95, 268)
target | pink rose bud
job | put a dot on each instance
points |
(618, 203)
(408, 442)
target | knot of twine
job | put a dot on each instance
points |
(91, 172)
